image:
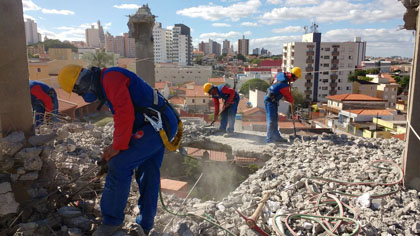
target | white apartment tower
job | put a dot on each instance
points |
(226, 46)
(162, 44)
(182, 45)
(93, 37)
(31, 32)
(325, 65)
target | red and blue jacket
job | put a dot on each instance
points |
(124, 91)
(280, 88)
(229, 96)
(40, 92)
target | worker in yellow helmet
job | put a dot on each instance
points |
(279, 89)
(230, 106)
(141, 116)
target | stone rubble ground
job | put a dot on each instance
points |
(34, 169)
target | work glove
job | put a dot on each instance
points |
(109, 153)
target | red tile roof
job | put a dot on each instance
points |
(197, 91)
(353, 97)
(242, 105)
(372, 112)
(257, 69)
(399, 136)
(177, 100)
(271, 63)
(217, 80)
(213, 155)
(161, 85)
(253, 110)
(70, 98)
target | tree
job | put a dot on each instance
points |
(353, 75)
(199, 60)
(373, 71)
(241, 57)
(252, 84)
(55, 43)
(256, 61)
(99, 59)
(404, 82)
(299, 98)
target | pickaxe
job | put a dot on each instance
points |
(252, 221)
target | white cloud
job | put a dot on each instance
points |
(249, 24)
(219, 37)
(58, 12)
(215, 12)
(28, 17)
(338, 10)
(106, 26)
(221, 25)
(170, 27)
(273, 44)
(288, 29)
(301, 2)
(127, 6)
(274, 1)
(28, 5)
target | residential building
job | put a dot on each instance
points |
(196, 100)
(243, 46)
(204, 47)
(182, 74)
(393, 126)
(129, 46)
(121, 45)
(364, 87)
(401, 106)
(162, 44)
(337, 103)
(93, 39)
(256, 51)
(36, 49)
(163, 88)
(31, 32)
(325, 65)
(363, 115)
(272, 64)
(217, 81)
(101, 35)
(38, 70)
(384, 66)
(79, 44)
(214, 48)
(387, 89)
(60, 53)
(182, 45)
(109, 42)
(226, 47)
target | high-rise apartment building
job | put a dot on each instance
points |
(122, 45)
(226, 46)
(243, 46)
(325, 65)
(129, 46)
(101, 34)
(182, 45)
(162, 44)
(92, 37)
(31, 32)
(214, 47)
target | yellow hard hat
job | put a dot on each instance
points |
(67, 77)
(207, 87)
(297, 72)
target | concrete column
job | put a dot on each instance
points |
(141, 29)
(15, 101)
(411, 158)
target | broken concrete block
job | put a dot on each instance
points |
(28, 152)
(8, 204)
(32, 163)
(416, 228)
(78, 222)
(29, 176)
(6, 162)
(5, 187)
(39, 140)
(11, 144)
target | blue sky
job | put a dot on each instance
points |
(267, 23)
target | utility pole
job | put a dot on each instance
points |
(411, 158)
(15, 100)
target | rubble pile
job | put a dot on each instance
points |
(48, 168)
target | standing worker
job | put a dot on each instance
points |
(144, 124)
(44, 102)
(280, 88)
(230, 106)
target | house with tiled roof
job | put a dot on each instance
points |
(364, 87)
(217, 81)
(337, 103)
(387, 88)
(196, 99)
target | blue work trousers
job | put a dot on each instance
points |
(144, 157)
(228, 116)
(271, 109)
(39, 109)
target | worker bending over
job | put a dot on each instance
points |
(279, 88)
(230, 105)
(144, 123)
(44, 102)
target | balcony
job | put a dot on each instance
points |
(308, 92)
(309, 69)
(333, 76)
(335, 53)
(309, 61)
(333, 92)
(310, 53)
(334, 67)
(308, 77)
(332, 84)
(308, 85)
(334, 61)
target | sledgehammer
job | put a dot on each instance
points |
(252, 221)
(294, 125)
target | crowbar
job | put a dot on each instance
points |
(252, 221)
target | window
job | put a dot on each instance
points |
(350, 57)
(327, 49)
(327, 57)
(347, 88)
(193, 101)
(339, 80)
(204, 101)
(38, 69)
(325, 72)
(326, 65)
(338, 88)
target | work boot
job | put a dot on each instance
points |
(281, 140)
(106, 230)
(229, 134)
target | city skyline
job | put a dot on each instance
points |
(267, 23)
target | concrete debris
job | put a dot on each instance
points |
(54, 163)
(39, 140)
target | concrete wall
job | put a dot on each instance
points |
(60, 53)
(15, 105)
(180, 75)
(38, 71)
